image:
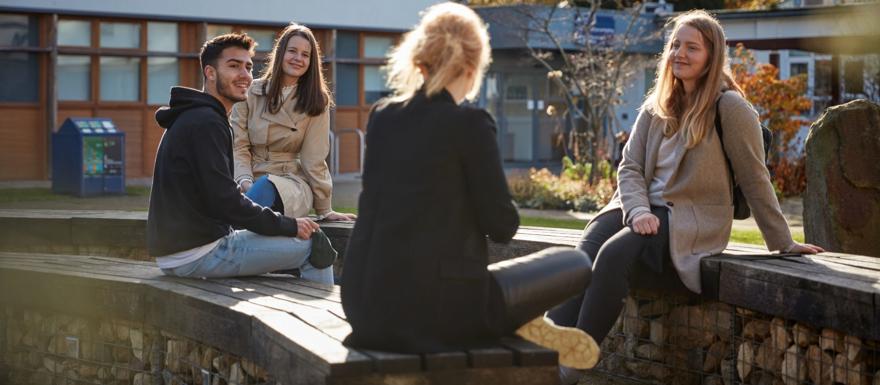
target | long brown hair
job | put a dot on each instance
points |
(313, 95)
(693, 116)
(449, 40)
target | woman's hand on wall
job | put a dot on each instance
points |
(334, 216)
(804, 248)
(646, 224)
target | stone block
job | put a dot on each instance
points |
(136, 337)
(842, 198)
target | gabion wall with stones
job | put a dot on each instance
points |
(682, 341)
(37, 347)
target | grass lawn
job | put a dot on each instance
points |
(557, 223)
(38, 194)
(754, 236)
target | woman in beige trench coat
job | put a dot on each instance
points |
(674, 202)
(282, 131)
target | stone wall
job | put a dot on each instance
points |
(39, 348)
(678, 341)
(842, 198)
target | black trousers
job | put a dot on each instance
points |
(622, 258)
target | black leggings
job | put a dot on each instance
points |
(622, 258)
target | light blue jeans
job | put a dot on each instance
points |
(243, 253)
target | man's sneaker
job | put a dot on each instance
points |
(576, 348)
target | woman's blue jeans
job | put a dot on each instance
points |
(264, 193)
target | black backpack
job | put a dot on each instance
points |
(740, 206)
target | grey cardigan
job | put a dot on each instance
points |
(698, 194)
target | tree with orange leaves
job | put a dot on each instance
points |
(780, 103)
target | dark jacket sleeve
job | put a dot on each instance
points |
(212, 146)
(486, 184)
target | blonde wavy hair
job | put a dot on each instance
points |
(693, 115)
(449, 41)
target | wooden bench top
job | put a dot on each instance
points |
(291, 327)
(835, 290)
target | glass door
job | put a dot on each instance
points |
(518, 108)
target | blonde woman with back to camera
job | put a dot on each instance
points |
(674, 202)
(417, 277)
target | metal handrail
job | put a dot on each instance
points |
(335, 136)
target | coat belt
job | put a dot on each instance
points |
(262, 155)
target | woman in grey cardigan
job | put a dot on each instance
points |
(674, 202)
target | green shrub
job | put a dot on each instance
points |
(541, 189)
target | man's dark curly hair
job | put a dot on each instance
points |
(212, 49)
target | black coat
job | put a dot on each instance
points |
(415, 277)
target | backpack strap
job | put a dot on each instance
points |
(720, 131)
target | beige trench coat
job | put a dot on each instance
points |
(699, 193)
(290, 147)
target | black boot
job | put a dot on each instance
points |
(532, 284)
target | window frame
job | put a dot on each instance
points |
(95, 52)
(362, 62)
(40, 50)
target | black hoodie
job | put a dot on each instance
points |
(194, 200)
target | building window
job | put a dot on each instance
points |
(375, 76)
(73, 77)
(162, 74)
(75, 33)
(20, 75)
(128, 61)
(215, 30)
(798, 69)
(162, 37)
(265, 39)
(822, 78)
(120, 35)
(377, 46)
(360, 67)
(347, 45)
(347, 80)
(375, 87)
(854, 77)
(120, 79)
(18, 31)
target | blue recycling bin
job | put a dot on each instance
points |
(88, 158)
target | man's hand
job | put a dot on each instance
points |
(334, 216)
(245, 185)
(305, 227)
(646, 224)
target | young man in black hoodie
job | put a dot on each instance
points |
(195, 203)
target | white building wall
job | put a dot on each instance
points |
(633, 95)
